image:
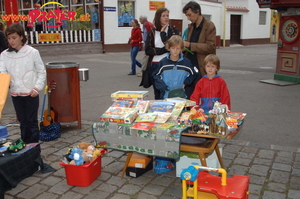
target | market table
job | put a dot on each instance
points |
(157, 142)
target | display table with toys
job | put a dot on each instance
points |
(205, 185)
(15, 167)
(155, 127)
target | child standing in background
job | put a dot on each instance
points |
(211, 87)
(174, 71)
(28, 75)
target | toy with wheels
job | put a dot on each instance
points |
(209, 186)
(16, 145)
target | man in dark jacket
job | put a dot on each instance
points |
(201, 39)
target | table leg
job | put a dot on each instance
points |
(126, 163)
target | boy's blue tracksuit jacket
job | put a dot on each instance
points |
(173, 74)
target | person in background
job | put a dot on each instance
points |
(134, 41)
(147, 26)
(174, 71)
(201, 38)
(28, 75)
(156, 39)
(3, 41)
(211, 87)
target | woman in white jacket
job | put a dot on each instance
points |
(28, 75)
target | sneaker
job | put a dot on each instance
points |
(140, 75)
(131, 73)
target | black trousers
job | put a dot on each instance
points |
(27, 109)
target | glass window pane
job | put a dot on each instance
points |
(125, 13)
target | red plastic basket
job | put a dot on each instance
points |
(84, 175)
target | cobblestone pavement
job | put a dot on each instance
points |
(274, 171)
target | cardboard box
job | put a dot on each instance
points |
(136, 172)
(184, 162)
(139, 161)
(84, 175)
(3, 131)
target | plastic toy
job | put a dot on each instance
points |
(208, 186)
(16, 145)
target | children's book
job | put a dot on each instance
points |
(143, 126)
(177, 110)
(188, 103)
(115, 114)
(162, 106)
(235, 116)
(123, 103)
(166, 125)
(146, 117)
(142, 105)
(162, 117)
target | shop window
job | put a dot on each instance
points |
(125, 13)
(93, 11)
(262, 17)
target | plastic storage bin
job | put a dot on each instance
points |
(83, 176)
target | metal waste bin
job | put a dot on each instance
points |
(64, 97)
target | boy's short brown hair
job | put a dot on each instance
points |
(212, 58)
(175, 40)
(16, 28)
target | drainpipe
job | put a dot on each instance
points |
(224, 28)
(101, 16)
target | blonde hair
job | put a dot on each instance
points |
(175, 40)
(212, 58)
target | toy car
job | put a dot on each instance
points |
(16, 145)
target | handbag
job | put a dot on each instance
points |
(177, 92)
(141, 46)
(146, 81)
(50, 132)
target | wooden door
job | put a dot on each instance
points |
(235, 29)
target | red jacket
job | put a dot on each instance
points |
(209, 91)
(136, 36)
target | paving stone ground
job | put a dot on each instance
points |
(274, 171)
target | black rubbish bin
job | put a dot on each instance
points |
(64, 98)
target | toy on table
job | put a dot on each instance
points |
(209, 186)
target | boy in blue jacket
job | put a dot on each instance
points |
(174, 71)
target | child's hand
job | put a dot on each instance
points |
(183, 86)
(33, 93)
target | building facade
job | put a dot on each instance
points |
(107, 22)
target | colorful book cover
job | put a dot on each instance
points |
(188, 103)
(235, 116)
(177, 110)
(115, 114)
(162, 117)
(142, 105)
(132, 94)
(162, 106)
(166, 125)
(123, 103)
(143, 126)
(146, 117)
